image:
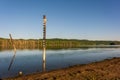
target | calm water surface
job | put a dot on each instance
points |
(30, 61)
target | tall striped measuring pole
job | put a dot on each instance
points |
(44, 42)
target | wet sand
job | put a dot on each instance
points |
(108, 69)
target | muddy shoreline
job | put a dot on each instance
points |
(108, 69)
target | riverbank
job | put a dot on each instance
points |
(108, 69)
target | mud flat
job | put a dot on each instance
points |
(108, 69)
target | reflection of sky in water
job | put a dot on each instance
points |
(30, 61)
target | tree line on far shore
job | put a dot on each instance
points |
(52, 43)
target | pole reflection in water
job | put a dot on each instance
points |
(12, 60)
(44, 60)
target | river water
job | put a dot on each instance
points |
(30, 61)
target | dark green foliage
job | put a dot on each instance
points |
(53, 43)
(112, 43)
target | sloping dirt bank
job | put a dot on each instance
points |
(104, 70)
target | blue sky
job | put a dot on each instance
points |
(70, 19)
